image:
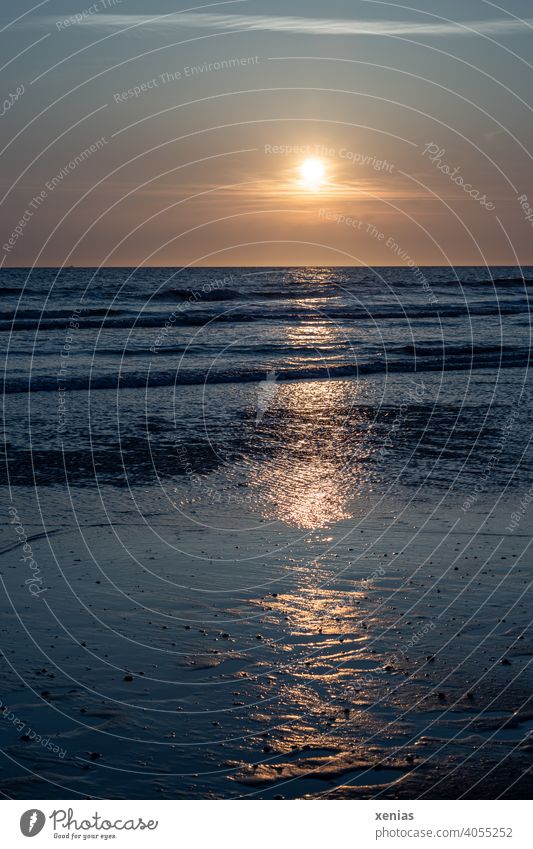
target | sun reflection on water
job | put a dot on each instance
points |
(305, 478)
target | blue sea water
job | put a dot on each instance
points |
(173, 326)
(271, 517)
(130, 362)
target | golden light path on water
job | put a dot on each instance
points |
(306, 479)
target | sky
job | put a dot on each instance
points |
(138, 133)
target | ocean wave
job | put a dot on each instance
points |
(11, 290)
(45, 315)
(460, 359)
(499, 281)
(197, 295)
(437, 348)
(103, 318)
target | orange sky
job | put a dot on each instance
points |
(179, 142)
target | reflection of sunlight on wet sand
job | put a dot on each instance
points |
(303, 480)
(331, 679)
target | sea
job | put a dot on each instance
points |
(266, 532)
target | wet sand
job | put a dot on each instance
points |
(387, 656)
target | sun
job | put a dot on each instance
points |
(312, 172)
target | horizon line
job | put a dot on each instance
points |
(295, 265)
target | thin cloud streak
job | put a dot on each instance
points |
(306, 26)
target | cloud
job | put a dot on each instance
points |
(307, 26)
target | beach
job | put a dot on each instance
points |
(267, 534)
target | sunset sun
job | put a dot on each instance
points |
(312, 173)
